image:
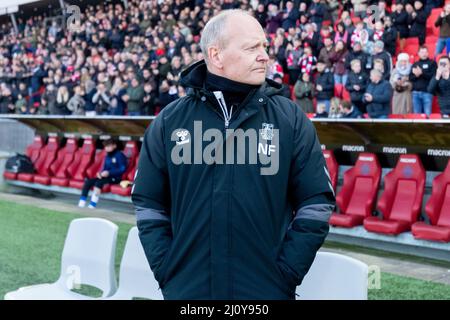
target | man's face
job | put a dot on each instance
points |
(244, 58)
(110, 147)
(423, 54)
(375, 77)
(356, 67)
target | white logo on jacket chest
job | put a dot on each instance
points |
(232, 146)
(183, 136)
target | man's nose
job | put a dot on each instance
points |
(263, 56)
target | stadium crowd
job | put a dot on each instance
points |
(119, 61)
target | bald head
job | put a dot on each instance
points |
(234, 45)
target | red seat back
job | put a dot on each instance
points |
(130, 151)
(33, 150)
(360, 187)
(132, 172)
(438, 206)
(97, 165)
(48, 155)
(403, 190)
(64, 159)
(332, 166)
(83, 158)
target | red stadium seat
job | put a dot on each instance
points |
(396, 116)
(356, 199)
(437, 210)
(332, 165)
(415, 116)
(32, 151)
(91, 171)
(401, 201)
(338, 88)
(117, 189)
(77, 169)
(435, 116)
(42, 165)
(435, 107)
(59, 167)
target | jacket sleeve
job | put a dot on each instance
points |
(432, 86)
(151, 198)
(312, 198)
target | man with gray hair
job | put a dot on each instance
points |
(378, 96)
(215, 230)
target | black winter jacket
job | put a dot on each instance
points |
(215, 231)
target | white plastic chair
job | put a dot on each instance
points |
(136, 278)
(87, 258)
(334, 277)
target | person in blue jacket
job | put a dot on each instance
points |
(232, 194)
(114, 167)
(378, 96)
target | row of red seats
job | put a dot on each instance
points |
(400, 204)
(70, 165)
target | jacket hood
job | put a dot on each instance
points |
(194, 77)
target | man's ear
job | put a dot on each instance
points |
(215, 58)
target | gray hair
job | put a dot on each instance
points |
(377, 72)
(214, 31)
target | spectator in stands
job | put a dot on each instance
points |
(380, 53)
(341, 34)
(6, 100)
(294, 53)
(421, 74)
(356, 85)
(304, 93)
(443, 22)
(308, 61)
(378, 96)
(335, 111)
(275, 18)
(285, 91)
(101, 99)
(390, 35)
(134, 98)
(338, 58)
(321, 111)
(90, 90)
(359, 54)
(326, 52)
(49, 100)
(290, 16)
(62, 98)
(167, 93)
(114, 167)
(349, 111)
(324, 85)
(359, 7)
(21, 105)
(316, 12)
(402, 98)
(440, 85)
(76, 103)
(418, 21)
(117, 106)
(400, 21)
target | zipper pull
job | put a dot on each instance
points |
(227, 123)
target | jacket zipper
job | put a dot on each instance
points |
(223, 106)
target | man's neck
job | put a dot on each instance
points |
(234, 92)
